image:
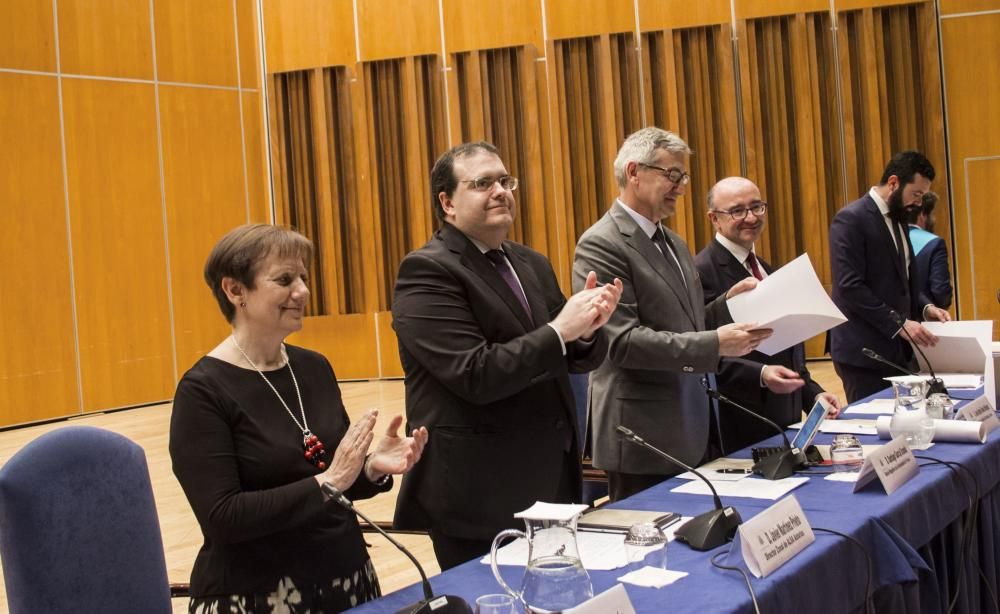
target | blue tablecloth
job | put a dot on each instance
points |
(913, 537)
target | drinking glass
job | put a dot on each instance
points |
(645, 546)
(500, 603)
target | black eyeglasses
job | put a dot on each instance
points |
(673, 175)
(485, 184)
(758, 208)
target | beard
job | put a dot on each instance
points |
(897, 211)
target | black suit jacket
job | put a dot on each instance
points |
(492, 388)
(932, 269)
(719, 271)
(868, 282)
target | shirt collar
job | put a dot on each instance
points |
(883, 207)
(648, 226)
(482, 247)
(738, 251)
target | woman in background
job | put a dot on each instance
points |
(257, 428)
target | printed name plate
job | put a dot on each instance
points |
(979, 410)
(612, 601)
(771, 538)
(893, 464)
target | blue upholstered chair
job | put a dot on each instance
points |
(595, 481)
(78, 526)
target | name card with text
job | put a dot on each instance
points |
(893, 464)
(979, 410)
(771, 538)
(612, 601)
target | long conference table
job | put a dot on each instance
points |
(914, 538)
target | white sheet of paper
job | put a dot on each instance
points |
(770, 490)
(964, 346)
(844, 476)
(552, 511)
(615, 599)
(874, 407)
(652, 577)
(853, 427)
(961, 380)
(598, 550)
(791, 301)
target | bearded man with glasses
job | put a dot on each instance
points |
(487, 341)
(785, 386)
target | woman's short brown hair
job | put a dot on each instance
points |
(238, 254)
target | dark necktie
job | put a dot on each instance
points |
(660, 240)
(900, 247)
(500, 263)
(754, 268)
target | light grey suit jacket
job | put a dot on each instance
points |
(659, 347)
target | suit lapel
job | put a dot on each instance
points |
(637, 240)
(475, 261)
(732, 268)
(887, 239)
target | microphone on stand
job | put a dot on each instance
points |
(705, 531)
(937, 384)
(773, 466)
(443, 604)
(882, 359)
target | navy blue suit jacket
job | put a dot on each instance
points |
(869, 283)
(932, 266)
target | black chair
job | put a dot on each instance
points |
(595, 481)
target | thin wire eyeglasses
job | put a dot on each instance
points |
(485, 184)
(673, 175)
(758, 208)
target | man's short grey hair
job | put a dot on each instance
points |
(641, 146)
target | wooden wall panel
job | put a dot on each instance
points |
(971, 51)
(579, 18)
(755, 9)
(38, 377)
(670, 14)
(27, 35)
(982, 177)
(110, 38)
(398, 28)
(850, 5)
(389, 365)
(205, 198)
(258, 197)
(302, 34)
(517, 22)
(196, 42)
(952, 7)
(119, 260)
(348, 342)
(248, 43)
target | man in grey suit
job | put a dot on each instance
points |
(659, 345)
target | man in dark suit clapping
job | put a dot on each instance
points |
(786, 388)
(487, 341)
(874, 278)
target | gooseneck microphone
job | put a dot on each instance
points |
(705, 531)
(882, 359)
(773, 466)
(937, 384)
(443, 604)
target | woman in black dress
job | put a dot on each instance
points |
(257, 428)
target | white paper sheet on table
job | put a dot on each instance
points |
(598, 550)
(754, 488)
(874, 407)
(853, 427)
(791, 301)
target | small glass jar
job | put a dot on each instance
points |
(846, 453)
(645, 545)
(940, 407)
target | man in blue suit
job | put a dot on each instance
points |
(874, 278)
(931, 252)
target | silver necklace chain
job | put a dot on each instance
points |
(304, 425)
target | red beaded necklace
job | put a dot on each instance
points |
(313, 447)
